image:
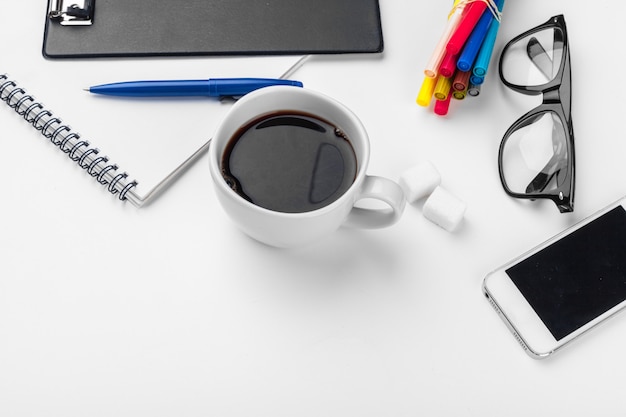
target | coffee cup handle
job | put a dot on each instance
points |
(378, 188)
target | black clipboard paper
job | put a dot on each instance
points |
(135, 28)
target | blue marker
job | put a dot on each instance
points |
(484, 54)
(476, 80)
(474, 42)
(218, 87)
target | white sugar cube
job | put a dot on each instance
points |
(444, 209)
(419, 181)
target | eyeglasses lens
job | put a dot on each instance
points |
(535, 156)
(535, 59)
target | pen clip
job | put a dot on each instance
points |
(76, 13)
(231, 99)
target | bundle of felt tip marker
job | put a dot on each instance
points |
(459, 63)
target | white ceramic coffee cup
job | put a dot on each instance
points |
(296, 229)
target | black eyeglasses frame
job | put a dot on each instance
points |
(557, 100)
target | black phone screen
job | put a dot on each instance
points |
(579, 277)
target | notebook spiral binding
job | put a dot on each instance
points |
(61, 135)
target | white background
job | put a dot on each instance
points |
(169, 310)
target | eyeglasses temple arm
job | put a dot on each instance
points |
(539, 57)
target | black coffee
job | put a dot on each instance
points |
(289, 162)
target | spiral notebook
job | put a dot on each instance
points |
(79, 149)
(133, 147)
(109, 28)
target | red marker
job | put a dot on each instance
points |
(442, 106)
(448, 65)
(470, 18)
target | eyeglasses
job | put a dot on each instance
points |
(536, 157)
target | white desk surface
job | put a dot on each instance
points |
(169, 310)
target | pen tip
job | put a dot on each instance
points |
(87, 89)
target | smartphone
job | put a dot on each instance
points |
(564, 287)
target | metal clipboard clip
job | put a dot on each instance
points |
(72, 12)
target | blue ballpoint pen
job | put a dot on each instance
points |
(216, 87)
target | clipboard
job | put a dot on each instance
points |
(137, 28)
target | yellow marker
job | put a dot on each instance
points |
(456, 3)
(459, 95)
(426, 91)
(442, 88)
